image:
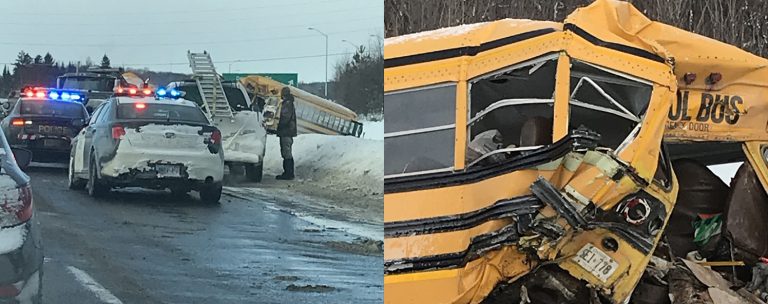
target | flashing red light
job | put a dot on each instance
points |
(147, 92)
(118, 132)
(132, 91)
(141, 106)
(29, 93)
(120, 90)
(40, 94)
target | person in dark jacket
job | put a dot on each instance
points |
(286, 131)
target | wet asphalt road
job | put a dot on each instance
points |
(141, 246)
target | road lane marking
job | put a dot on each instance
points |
(88, 282)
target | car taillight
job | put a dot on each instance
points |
(216, 137)
(17, 210)
(118, 132)
(17, 122)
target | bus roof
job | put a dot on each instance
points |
(724, 98)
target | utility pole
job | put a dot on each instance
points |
(326, 57)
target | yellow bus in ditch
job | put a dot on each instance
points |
(525, 158)
(314, 114)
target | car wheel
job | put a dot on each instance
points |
(211, 194)
(75, 183)
(96, 188)
(254, 172)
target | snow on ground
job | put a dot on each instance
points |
(373, 130)
(344, 163)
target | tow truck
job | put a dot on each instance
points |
(100, 83)
(608, 122)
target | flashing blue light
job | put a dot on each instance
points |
(53, 95)
(161, 92)
(74, 97)
(175, 93)
(65, 96)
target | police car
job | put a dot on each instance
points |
(44, 121)
(149, 139)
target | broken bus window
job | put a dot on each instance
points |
(517, 104)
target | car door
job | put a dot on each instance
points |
(84, 139)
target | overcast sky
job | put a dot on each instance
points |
(157, 34)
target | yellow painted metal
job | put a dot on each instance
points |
(459, 199)
(743, 75)
(462, 115)
(721, 263)
(754, 152)
(562, 97)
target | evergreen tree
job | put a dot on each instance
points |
(105, 61)
(38, 59)
(48, 59)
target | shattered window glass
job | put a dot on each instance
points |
(419, 133)
(516, 104)
(606, 103)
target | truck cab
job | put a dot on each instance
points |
(100, 83)
(244, 136)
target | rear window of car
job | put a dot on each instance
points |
(52, 108)
(153, 111)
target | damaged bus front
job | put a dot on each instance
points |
(524, 161)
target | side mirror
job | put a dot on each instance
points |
(23, 157)
(6, 106)
(79, 123)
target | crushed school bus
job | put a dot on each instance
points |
(577, 190)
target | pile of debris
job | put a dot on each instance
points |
(710, 253)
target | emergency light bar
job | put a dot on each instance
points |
(133, 92)
(165, 93)
(53, 94)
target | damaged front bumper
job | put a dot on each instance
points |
(572, 223)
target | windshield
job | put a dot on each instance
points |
(88, 83)
(151, 111)
(60, 109)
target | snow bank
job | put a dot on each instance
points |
(345, 163)
(373, 130)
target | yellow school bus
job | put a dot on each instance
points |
(314, 114)
(577, 189)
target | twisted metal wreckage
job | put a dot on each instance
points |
(585, 194)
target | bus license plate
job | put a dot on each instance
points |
(596, 262)
(168, 170)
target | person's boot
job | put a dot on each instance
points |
(287, 170)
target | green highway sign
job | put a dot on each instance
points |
(286, 78)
